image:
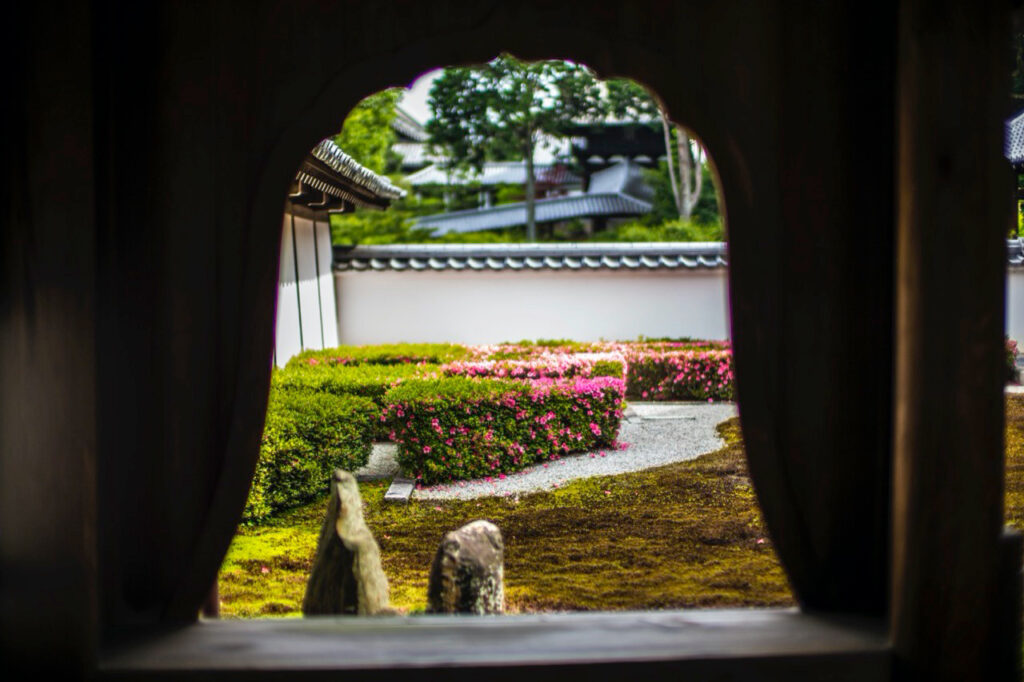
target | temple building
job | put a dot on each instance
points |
(616, 192)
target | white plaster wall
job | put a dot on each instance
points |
(325, 283)
(310, 290)
(286, 339)
(489, 307)
(1015, 305)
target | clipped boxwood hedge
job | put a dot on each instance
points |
(464, 411)
(383, 354)
(306, 436)
(457, 428)
(369, 381)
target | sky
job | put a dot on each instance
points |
(414, 101)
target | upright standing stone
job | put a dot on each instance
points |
(347, 577)
(468, 571)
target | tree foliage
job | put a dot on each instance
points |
(366, 135)
(504, 110)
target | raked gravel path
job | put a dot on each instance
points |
(655, 434)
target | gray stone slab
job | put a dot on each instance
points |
(382, 463)
(400, 490)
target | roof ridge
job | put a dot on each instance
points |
(332, 155)
(517, 205)
(533, 256)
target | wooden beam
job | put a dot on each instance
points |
(954, 198)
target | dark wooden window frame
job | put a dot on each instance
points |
(739, 644)
(941, 585)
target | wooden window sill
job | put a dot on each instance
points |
(726, 644)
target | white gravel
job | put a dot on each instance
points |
(654, 434)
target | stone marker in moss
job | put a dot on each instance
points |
(468, 571)
(347, 577)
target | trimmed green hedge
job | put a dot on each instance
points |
(383, 354)
(500, 408)
(306, 437)
(457, 428)
(368, 381)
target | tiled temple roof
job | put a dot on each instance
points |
(1013, 145)
(495, 173)
(1015, 252)
(615, 191)
(408, 127)
(345, 178)
(525, 257)
(582, 256)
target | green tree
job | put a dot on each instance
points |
(664, 207)
(366, 135)
(628, 99)
(505, 109)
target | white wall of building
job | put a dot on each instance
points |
(490, 306)
(305, 290)
(1015, 305)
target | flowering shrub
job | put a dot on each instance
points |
(456, 427)
(675, 345)
(382, 354)
(1012, 373)
(525, 350)
(466, 411)
(667, 369)
(548, 366)
(680, 375)
(306, 436)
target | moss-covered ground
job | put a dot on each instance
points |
(1015, 460)
(685, 535)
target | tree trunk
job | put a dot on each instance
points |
(685, 173)
(531, 194)
(691, 178)
(669, 154)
